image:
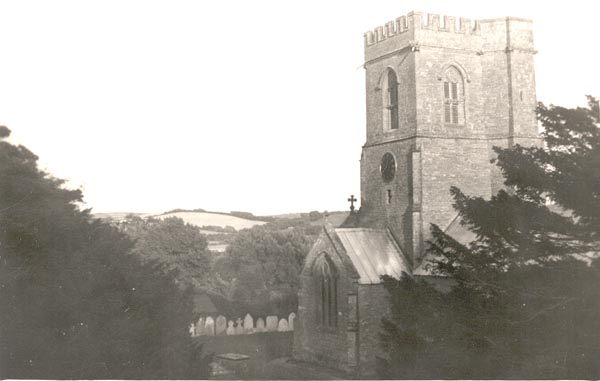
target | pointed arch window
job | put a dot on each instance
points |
(453, 91)
(390, 100)
(326, 278)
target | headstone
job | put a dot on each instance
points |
(239, 328)
(272, 323)
(291, 319)
(260, 325)
(230, 329)
(221, 325)
(200, 327)
(248, 324)
(209, 326)
(283, 325)
(192, 329)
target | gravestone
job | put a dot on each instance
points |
(209, 326)
(192, 329)
(272, 323)
(200, 327)
(230, 329)
(260, 325)
(248, 324)
(236, 363)
(239, 328)
(283, 325)
(221, 326)
(291, 319)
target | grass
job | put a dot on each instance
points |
(213, 219)
(261, 347)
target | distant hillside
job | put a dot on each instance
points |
(334, 218)
(117, 216)
(213, 219)
(201, 218)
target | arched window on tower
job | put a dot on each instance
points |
(326, 279)
(453, 91)
(390, 100)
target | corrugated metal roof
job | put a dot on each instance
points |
(373, 252)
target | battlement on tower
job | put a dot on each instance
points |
(415, 20)
(418, 30)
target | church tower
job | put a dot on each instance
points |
(439, 96)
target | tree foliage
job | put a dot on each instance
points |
(74, 302)
(173, 245)
(262, 268)
(526, 300)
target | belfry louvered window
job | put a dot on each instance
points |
(453, 97)
(390, 100)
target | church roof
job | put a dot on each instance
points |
(373, 252)
(459, 232)
(456, 230)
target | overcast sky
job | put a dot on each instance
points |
(228, 105)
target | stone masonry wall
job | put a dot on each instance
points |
(373, 306)
(451, 162)
(403, 65)
(378, 213)
(312, 341)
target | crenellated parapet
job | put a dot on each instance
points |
(415, 21)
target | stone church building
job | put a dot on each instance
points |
(439, 96)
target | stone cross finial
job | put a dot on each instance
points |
(352, 200)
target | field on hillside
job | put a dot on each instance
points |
(222, 220)
(119, 215)
(204, 219)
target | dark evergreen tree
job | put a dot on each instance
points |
(526, 299)
(74, 302)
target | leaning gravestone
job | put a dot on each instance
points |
(260, 325)
(230, 329)
(248, 324)
(283, 325)
(291, 319)
(239, 328)
(221, 325)
(209, 326)
(272, 323)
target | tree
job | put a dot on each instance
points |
(263, 268)
(173, 245)
(526, 300)
(315, 215)
(74, 302)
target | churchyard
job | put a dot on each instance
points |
(244, 347)
(246, 356)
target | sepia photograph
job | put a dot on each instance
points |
(299, 190)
